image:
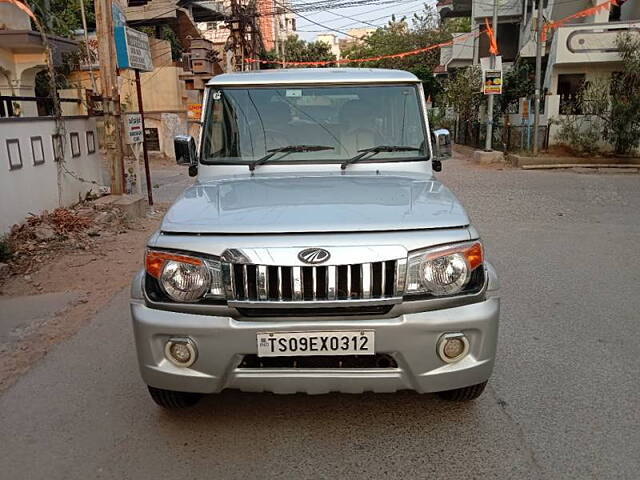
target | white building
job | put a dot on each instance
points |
(580, 50)
(44, 164)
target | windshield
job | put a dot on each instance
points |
(245, 124)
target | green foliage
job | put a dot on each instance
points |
(438, 119)
(457, 25)
(616, 102)
(399, 36)
(63, 16)
(298, 50)
(624, 133)
(430, 83)
(164, 32)
(519, 81)
(462, 92)
(582, 134)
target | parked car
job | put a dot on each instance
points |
(316, 252)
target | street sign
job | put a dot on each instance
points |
(194, 111)
(492, 82)
(133, 127)
(524, 108)
(132, 49)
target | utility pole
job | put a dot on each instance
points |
(494, 26)
(284, 43)
(276, 30)
(536, 113)
(147, 173)
(110, 96)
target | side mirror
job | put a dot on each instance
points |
(185, 149)
(441, 144)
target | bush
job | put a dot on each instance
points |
(582, 134)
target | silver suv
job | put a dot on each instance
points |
(316, 252)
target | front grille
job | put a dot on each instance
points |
(379, 360)
(377, 280)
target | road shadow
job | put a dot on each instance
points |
(240, 411)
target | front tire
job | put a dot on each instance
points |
(463, 394)
(172, 399)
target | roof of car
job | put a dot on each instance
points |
(300, 76)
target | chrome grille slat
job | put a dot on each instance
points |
(261, 281)
(245, 280)
(366, 280)
(297, 283)
(332, 281)
(269, 284)
(314, 278)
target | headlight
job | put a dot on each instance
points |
(443, 270)
(185, 278)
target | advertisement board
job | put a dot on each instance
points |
(492, 82)
(133, 128)
(195, 111)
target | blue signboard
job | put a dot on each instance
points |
(132, 49)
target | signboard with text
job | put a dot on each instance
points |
(132, 49)
(133, 127)
(492, 82)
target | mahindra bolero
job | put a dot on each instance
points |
(316, 251)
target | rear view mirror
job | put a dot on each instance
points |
(441, 144)
(185, 149)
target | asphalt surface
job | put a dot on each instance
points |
(563, 401)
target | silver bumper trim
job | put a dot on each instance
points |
(314, 304)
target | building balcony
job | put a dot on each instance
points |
(590, 43)
(458, 55)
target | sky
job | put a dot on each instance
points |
(369, 13)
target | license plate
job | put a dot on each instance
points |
(282, 344)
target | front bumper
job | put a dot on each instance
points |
(410, 338)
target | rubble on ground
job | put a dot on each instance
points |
(42, 237)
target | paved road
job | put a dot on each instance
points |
(563, 401)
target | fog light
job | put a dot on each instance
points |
(452, 347)
(180, 351)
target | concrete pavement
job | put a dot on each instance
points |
(563, 401)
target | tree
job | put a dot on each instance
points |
(297, 50)
(462, 91)
(63, 16)
(518, 82)
(399, 36)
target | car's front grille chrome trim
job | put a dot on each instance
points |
(324, 285)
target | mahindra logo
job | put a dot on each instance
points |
(314, 256)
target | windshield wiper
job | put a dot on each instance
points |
(375, 150)
(287, 150)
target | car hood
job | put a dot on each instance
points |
(322, 203)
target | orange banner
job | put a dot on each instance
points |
(369, 59)
(493, 44)
(587, 12)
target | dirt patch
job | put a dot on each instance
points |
(65, 256)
